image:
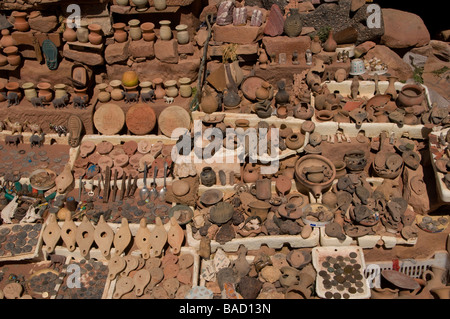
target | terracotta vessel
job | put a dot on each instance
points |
(69, 34)
(29, 90)
(295, 141)
(316, 45)
(160, 4)
(182, 34)
(307, 161)
(45, 91)
(355, 160)
(20, 21)
(281, 97)
(95, 34)
(208, 176)
(410, 95)
(7, 40)
(293, 23)
(159, 90)
(251, 173)
(83, 32)
(263, 92)
(60, 90)
(208, 102)
(185, 87)
(12, 55)
(148, 33)
(103, 96)
(330, 44)
(120, 35)
(171, 89)
(135, 30)
(262, 189)
(435, 277)
(116, 92)
(259, 209)
(165, 33)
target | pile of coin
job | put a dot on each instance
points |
(19, 239)
(341, 276)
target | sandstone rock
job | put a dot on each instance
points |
(250, 10)
(211, 8)
(237, 34)
(167, 51)
(142, 49)
(186, 48)
(275, 22)
(403, 30)
(117, 52)
(363, 48)
(88, 58)
(357, 4)
(201, 36)
(397, 66)
(43, 23)
(285, 44)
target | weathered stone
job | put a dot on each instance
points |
(186, 48)
(237, 34)
(396, 65)
(242, 49)
(167, 51)
(43, 23)
(285, 44)
(88, 58)
(225, 13)
(339, 16)
(357, 4)
(201, 36)
(142, 49)
(363, 48)
(211, 8)
(275, 22)
(117, 52)
(267, 4)
(403, 30)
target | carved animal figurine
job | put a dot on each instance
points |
(168, 100)
(14, 126)
(61, 101)
(130, 97)
(13, 98)
(59, 129)
(57, 261)
(34, 128)
(37, 140)
(13, 139)
(148, 96)
(80, 102)
(38, 101)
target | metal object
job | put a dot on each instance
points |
(153, 191)
(114, 188)
(106, 187)
(163, 191)
(144, 192)
(122, 189)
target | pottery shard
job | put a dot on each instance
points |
(275, 22)
(397, 67)
(167, 51)
(285, 44)
(117, 52)
(88, 58)
(403, 30)
(43, 24)
(142, 49)
(270, 274)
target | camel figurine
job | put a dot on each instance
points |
(34, 128)
(15, 126)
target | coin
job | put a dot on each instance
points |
(322, 273)
(328, 295)
(339, 279)
(353, 255)
(359, 284)
(353, 261)
(337, 295)
(340, 287)
(352, 290)
(348, 269)
(346, 295)
(325, 264)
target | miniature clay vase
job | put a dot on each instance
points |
(251, 173)
(159, 90)
(355, 161)
(410, 95)
(261, 189)
(171, 89)
(316, 45)
(185, 87)
(95, 34)
(182, 34)
(263, 92)
(281, 97)
(259, 209)
(293, 24)
(160, 4)
(20, 21)
(60, 90)
(29, 90)
(45, 91)
(165, 33)
(135, 30)
(295, 141)
(12, 55)
(120, 35)
(330, 44)
(208, 102)
(208, 176)
(116, 92)
(148, 33)
(7, 40)
(83, 32)
(103, 96)
(69, 34)
(141, 5)
(146, 86)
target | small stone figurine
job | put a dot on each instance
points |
(308, 57)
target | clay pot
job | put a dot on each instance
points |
(45, 91)
(3, 60)
(208, 102)
(159, 90)
(135, 31)
(165, 33)
(116, 92)
(208, 176)
(171, 88)
(316, 45)
(434, 277)
(355, 160)
(263, 92)
(83, 32)
(60, 90)
(13, 57)
(13, 87)
(281, 97)
(329, 173)
(160, 4)
(29, 90)
(182, 34)
(141, 5)
(20, 21)
(103, 96)
(251, 173)
(340, 168)
(130, 79)
(262, 189)
(410, 95)
(185, 87)
(304, 111)
(295, 141)
(330, 44)
(148, 33)
(259, 209)
(95, 34)
(145, 86)
(293, 24)
(120, 35)
(7, 40)
(69, 34)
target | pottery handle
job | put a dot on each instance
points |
(427, 273)
(253, 189)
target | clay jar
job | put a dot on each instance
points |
(83, 32)
(103, 96)
(208, 176)
(293, 23)
(159, 90)
(95, 36)
(262, 189)
(329, 173)
(171, 88)
(251, 173)
(120, 35)
(355, 160)
(69, 34)
(29, 90)
(263, 92)
(316, 45)
(20, 22)
(185, 87)
(330, 45)
(60, 90)
(45, 91)
(148, 33)
(294, 141)
(209, 102)
(116, 92)
(165, 33)
(410, 95)
(259, 209)
(160, 4)
(182, 34)
(146, 86)
(13, 57)
(282, 97)
(7, 40)
(135, 30)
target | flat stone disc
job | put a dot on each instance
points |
(141, 119)
(109, 119)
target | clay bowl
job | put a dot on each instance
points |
(400, 280)
(211, 197)
(221, 213)
(259, 209)
(324, 115)
(378, 101)
(182, 213)
(410, 95)
(42, 184)
(309, 161)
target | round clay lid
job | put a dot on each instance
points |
(116, 151)
(93, 158)
(145, 159)
(81, 162)
(105, 161)
(144, 147)
(180, 187)
(109, 119)
(134, 160)
(400, 279)
(141, 119)
(104, 147)
(78, 172)
(172, 118)
(308, 126)
(121, 160)
(130, 147)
